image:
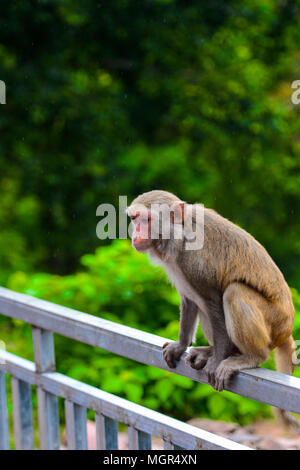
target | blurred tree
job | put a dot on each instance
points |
(121, 97)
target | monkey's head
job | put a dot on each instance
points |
(155, 215)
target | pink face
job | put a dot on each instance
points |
(149, 225)
(141, 235)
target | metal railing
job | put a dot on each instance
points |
(47, 318)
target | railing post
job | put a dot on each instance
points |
(168, 445)
(107, 432)
(47, 403)
(22, 414)
(138, 440)
(4, 433)
(76, 426)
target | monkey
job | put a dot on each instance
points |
(231, 285)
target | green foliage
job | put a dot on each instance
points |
(126, 96)
(119, 284)
(117, 98)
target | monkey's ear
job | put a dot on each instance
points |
(177, 214)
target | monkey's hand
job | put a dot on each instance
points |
(198, 357)
(172, 353)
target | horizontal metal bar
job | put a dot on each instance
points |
(259, 384)
(116, 408)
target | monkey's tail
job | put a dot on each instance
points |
(284, 355)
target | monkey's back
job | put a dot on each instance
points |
(238, 257)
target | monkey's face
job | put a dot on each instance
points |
(153, 224)
(141, 225)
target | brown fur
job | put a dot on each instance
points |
(246, 298)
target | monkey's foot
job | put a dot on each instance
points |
(172, 353)
(211, 370)
(223, 375)
(198, 357)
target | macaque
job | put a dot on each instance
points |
(230, 284)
